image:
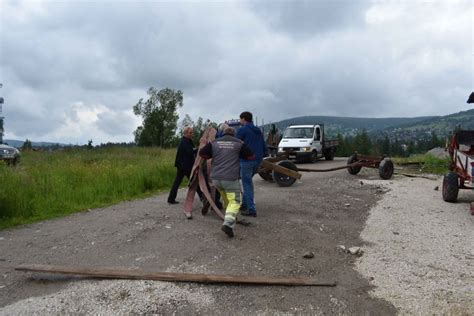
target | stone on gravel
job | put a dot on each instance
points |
(356, 251)
(308, 255)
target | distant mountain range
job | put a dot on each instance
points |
(402, 128)
(19, 143)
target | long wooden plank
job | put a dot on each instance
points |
(280, 169)
(115, 273)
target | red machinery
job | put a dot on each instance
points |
(461, 174)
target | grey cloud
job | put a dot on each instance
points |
(310, 17)
(276, 59)
(114, 123)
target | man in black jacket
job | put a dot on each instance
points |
(184, 163)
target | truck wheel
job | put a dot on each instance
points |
(386, 169)
(351, 160)
(450, 187)
(329, 154)
(314, 156)
(282, 179)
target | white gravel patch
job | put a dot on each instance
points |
(420, 250)
(112, 297)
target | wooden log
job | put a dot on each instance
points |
(115, 273)
(280, 169)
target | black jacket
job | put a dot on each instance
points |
(185, 155)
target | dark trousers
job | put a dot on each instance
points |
(180, 174)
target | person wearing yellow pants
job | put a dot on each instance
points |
(226, 152)
(230, 192)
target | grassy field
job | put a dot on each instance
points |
(50, 184)
(425, 163)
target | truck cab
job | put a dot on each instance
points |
(302, 142)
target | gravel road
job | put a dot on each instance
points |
(420, 253)
(319, 214)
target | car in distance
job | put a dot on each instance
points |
(9, 154)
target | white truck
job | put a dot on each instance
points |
(307, 142)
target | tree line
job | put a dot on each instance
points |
(383, 145)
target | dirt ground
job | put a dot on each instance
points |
(317, 214)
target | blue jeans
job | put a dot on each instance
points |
(247, 171)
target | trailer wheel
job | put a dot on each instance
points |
(282, 179)
(266, 175)
(329, 154)
(450, 187)
(386, 169)
(351, 160)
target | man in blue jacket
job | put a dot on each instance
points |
(252, 136)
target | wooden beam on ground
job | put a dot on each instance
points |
(115, 273)
(280, 169)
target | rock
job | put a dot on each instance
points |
(308, 255)
(396, 233)
(341, 247)
(347, 204)
(356, 251)
(436, 188)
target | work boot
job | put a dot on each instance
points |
(248, 213)
(228, 230)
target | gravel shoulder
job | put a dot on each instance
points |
(420, 249)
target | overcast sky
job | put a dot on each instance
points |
(72, 70)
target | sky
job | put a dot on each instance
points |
(72, 70)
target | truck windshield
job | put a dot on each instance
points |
(298, 133)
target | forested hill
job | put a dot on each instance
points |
(351, 125)
(403, 128)
(441, 125)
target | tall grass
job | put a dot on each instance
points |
(51, 184)
(426, 163)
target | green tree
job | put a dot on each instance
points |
(344, 149)
(386, 146)
(435, 141)
(27, 145)
(199, 126)
(160, 117)
(362, 143)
